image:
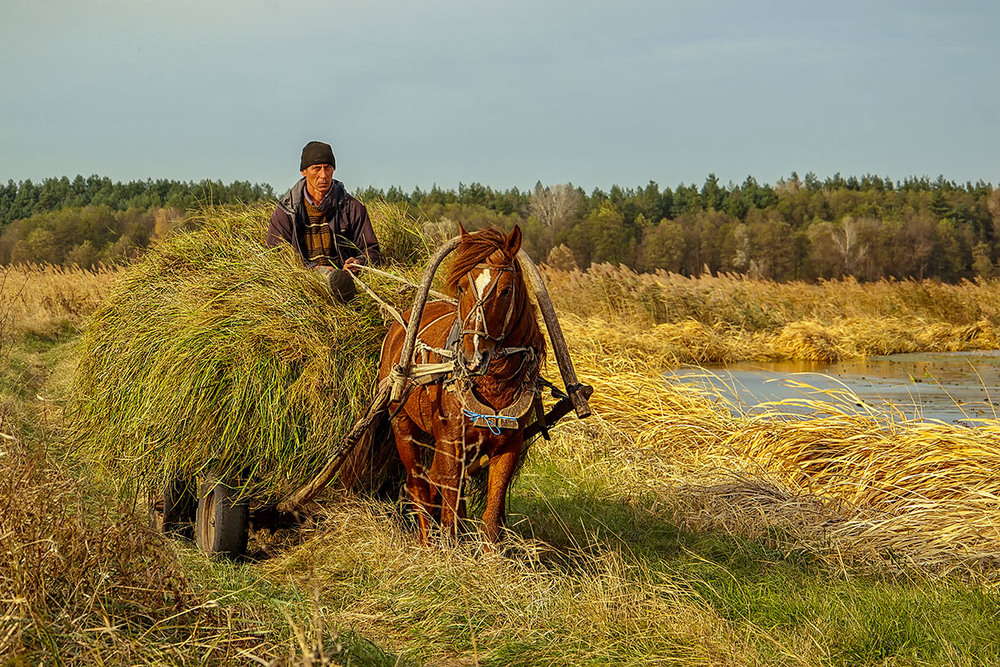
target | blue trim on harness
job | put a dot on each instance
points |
(491, 420)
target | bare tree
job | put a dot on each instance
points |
(993, 204)
(555, 206)
(847, 238)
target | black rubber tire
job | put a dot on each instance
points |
(173, 510)
(222, 521)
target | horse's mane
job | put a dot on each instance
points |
(474, 249)
(490, 245)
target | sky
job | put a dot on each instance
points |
(443, 92)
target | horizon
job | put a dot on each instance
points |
(896, 183)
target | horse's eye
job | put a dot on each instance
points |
(461, 290)
(506, 291)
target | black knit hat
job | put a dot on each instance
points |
(316, 152)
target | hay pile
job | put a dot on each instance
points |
(214, 353)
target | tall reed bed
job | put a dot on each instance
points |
(870, 483)
(717, 319)
(865, 484)
(734, 300)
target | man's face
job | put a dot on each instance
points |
(319, 178)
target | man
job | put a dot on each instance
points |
(329, 228)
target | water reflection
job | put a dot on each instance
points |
(947, 386)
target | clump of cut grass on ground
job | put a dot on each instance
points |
(470, 603)
(888, 486)
(216, 354)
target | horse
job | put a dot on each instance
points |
(446, 428)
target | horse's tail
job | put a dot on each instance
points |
(373, 467)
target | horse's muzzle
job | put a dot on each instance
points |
(478, 364)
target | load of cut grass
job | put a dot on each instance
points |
(216, 354)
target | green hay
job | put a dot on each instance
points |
(216, 354)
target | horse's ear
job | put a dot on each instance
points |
(461, 230)
(513, 242)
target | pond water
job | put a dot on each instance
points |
(948, 386)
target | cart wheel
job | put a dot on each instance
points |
(172, 511)
(222, 521)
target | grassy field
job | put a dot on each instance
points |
(666, 529)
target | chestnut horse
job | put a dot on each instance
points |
(446, 428)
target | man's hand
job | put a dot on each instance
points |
(351, 265)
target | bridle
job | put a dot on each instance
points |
(478, 310)
(475, 324)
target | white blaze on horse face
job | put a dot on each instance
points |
(482, 283)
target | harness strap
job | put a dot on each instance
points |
(434, 293)
(385, 306)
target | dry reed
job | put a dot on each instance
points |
(875, 484)
(717, 319)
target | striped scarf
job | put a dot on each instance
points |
(318, 239)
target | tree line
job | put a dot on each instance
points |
(804, 228)
(870, 227)
(26, 198)
(87, 221)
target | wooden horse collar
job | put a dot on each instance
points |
(508, 417)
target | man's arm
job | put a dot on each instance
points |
(279, 229)
(363, 235)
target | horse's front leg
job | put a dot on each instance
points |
(446, 473)
(417, 485)
(502, 466)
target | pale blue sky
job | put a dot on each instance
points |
(414, 93)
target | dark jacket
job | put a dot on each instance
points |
(353, 235)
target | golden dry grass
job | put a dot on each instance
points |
(719, 319)
(617, 292)
(517, 608)
(872, 484)
(45, 299)
(86, 585)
